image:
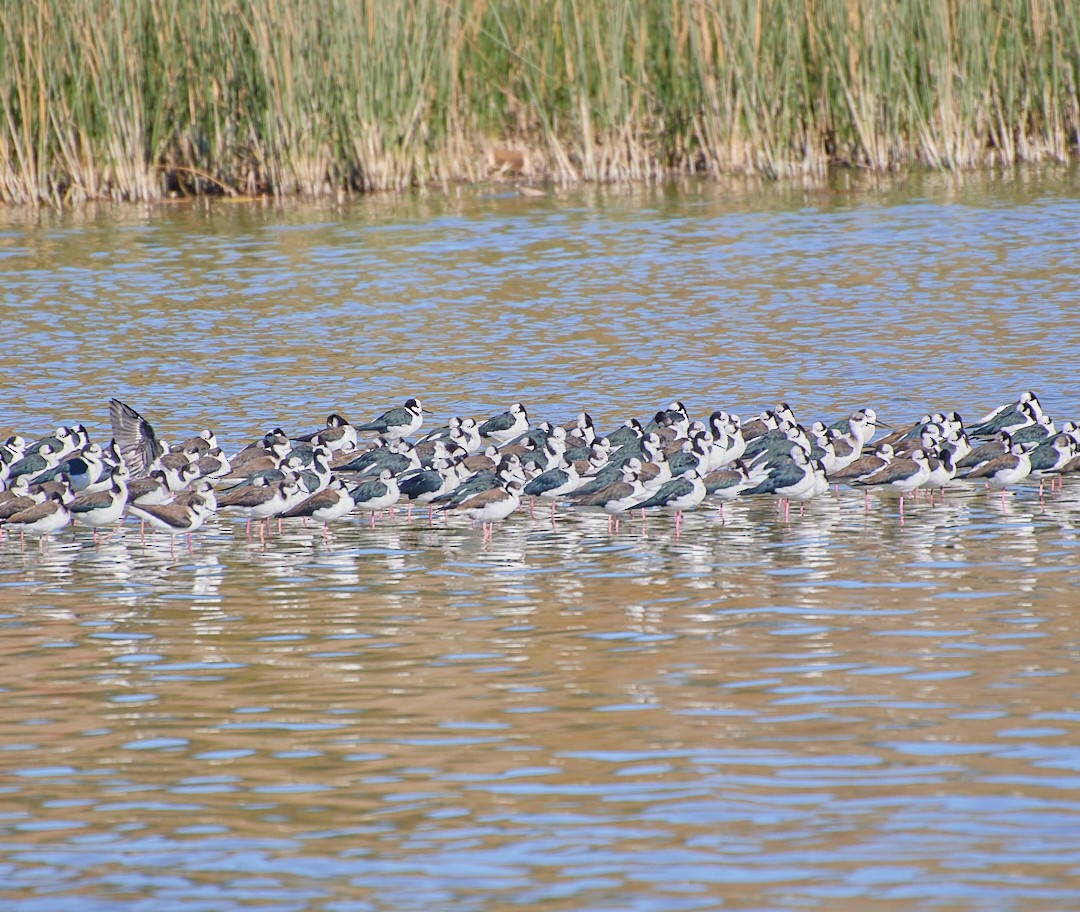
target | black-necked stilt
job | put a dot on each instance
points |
(102, 508)
(505, 427)
(791, 478)
(504, 469)
(175, 518)
(135, 437)
(34, 464)
(20, 497)
(942, 471)
(903, 474)
(490, 506)
(728, 443)
(332, 502)
(1050, 457)
(1025, 411)
(614, 497)
(398, 422)
(1000, 445)
(202, 489)
(426, 485)
(337, 435)
(151, 489)
(727, 483)
(629, 433)
(553, 484)
(199, 444)
(83, 470)
(860, 425)
(259, 501)
(1027, 397)
(41, 519)
(679, 494)
(266, 452)
(1036, 433)
(376, 495)
(1004, 470)
(213, 464)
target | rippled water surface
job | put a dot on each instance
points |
(838, 713)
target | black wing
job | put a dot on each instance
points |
(136, 438)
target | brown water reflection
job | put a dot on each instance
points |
(839, 713)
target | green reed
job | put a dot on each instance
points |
(135, 99)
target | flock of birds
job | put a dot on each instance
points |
(484, 469)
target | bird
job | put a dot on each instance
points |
(490, 506)
(135, 437)
(792, 478)
(1025, 411)
(902, 474)
(259, 501)
(151, 489)
(83, 469)
(35, 463)
(1050, 457)
(865, 465)
(506, 426)
(553, 484)
(616, 496)
(942, 471)
(684, 492)
(41, 519)
(397, 422)
(175, 518)
(213, 464)
(102, 508)
(332, 502)
(1007, 416)
(376, 495)
(1005, 470)
(725, 484)
(337, 435)
(860, 425)
(425, 485)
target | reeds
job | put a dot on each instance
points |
(136, 99)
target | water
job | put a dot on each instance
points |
(840, 713)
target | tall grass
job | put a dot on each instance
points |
(136, 99)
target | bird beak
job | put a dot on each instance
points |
(882, 424)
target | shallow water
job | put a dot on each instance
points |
(837, 713)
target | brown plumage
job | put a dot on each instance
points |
(866, 465)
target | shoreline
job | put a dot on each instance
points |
(740, 189)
